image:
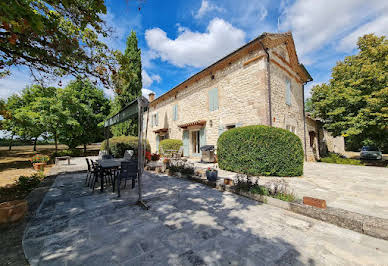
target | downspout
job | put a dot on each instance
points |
(268, 83)
(304, 125)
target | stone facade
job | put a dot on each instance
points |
(319, 141)
(243, 99)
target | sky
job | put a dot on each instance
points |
(180, 38)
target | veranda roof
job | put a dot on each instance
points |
(194, 123)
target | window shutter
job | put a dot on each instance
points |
(220, 130)
(152, 120)
(210, 100)
(157, 143)
(175, 112)
(288, 92)
(186, 143)
(215, 99)
(202, 137)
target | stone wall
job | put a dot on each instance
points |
(242, 101)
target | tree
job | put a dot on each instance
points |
(355, 102)
(57, 37)
(84, 109)
(127, 83)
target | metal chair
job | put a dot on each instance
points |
(96, 174)
(129, 170)
(89, 173)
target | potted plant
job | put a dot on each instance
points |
(39, 161)
(211, 174)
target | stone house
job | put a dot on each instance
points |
(261, 83)
(319, 141)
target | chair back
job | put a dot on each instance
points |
(101, 153)
(88, 163)
(106, 157)
(128, 169)
(128, 154)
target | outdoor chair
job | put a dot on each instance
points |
(90, 173)
(128, 154)
(178, 155)
(96, 174)
(128, 170)
(106, 157)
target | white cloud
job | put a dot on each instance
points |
(148, 80)
(145, 92)
(378, 26)
(321, 23)
(195, 48)
(206, 7)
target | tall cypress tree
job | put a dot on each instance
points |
(127, 83)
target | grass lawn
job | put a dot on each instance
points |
(16, 162)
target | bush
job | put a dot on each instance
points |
(21, 188)
(170, 144)
(260, 150)
(118, 145)
(339, 159)
(70, 152)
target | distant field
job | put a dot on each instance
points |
(16, 162)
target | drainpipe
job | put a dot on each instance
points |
(268, 83)
(304, 125)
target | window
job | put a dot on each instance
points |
(213, 99)
(291, 128)
(230, 127)
(288, 91)
(195, 142)
(175, 112)
(154, 119)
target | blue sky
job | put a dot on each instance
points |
(179, 38)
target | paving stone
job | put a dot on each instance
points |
(187, 224)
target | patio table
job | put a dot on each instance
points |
(108, 164)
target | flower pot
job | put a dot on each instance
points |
(228, 182)
(39, 166)
(12, 211)
(212, 175)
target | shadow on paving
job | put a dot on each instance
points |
(188, 224)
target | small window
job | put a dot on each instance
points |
(213, 99)
(175, 112)
(291, 128)
(230, 127)
(288, 91)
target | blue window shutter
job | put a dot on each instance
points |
(202, 137)
(215, 99)
(157, 143)
(210, 100)
(220, 130)
(186, 143)
(288, 92)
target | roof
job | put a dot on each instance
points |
(194, 123)
(264, 41)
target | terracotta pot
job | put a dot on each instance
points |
(12, 211)
(39, 166)
(228, 182)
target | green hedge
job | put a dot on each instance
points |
(118, 145)
(260, 150)
(170, 144)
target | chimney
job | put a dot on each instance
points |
(151, 96)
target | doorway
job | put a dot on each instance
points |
(195, 142)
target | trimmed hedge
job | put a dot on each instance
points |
(118, 145)
(170, 144)
(260, 150)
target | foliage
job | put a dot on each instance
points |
(84, 109)
(21, 188)
(127, 82)
(56, 37)
(169, 144)
(39, 158)
(308, 105)
(71, 153)
(155, 157)
(278, 190)
(183, 169)
(339, 159)
(354, 103)
(260, 150)
(118, 145)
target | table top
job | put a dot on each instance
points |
(110, 163)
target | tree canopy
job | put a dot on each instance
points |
(354, 103)
(127, 83)
(55, 37)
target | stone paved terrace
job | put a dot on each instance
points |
(361, 189)
(188, 224)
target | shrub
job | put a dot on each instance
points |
(260, 150)
(170, 144)
(339, 159)
(39, 158)
(70, 152)
(118, 145)
(21, 188)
